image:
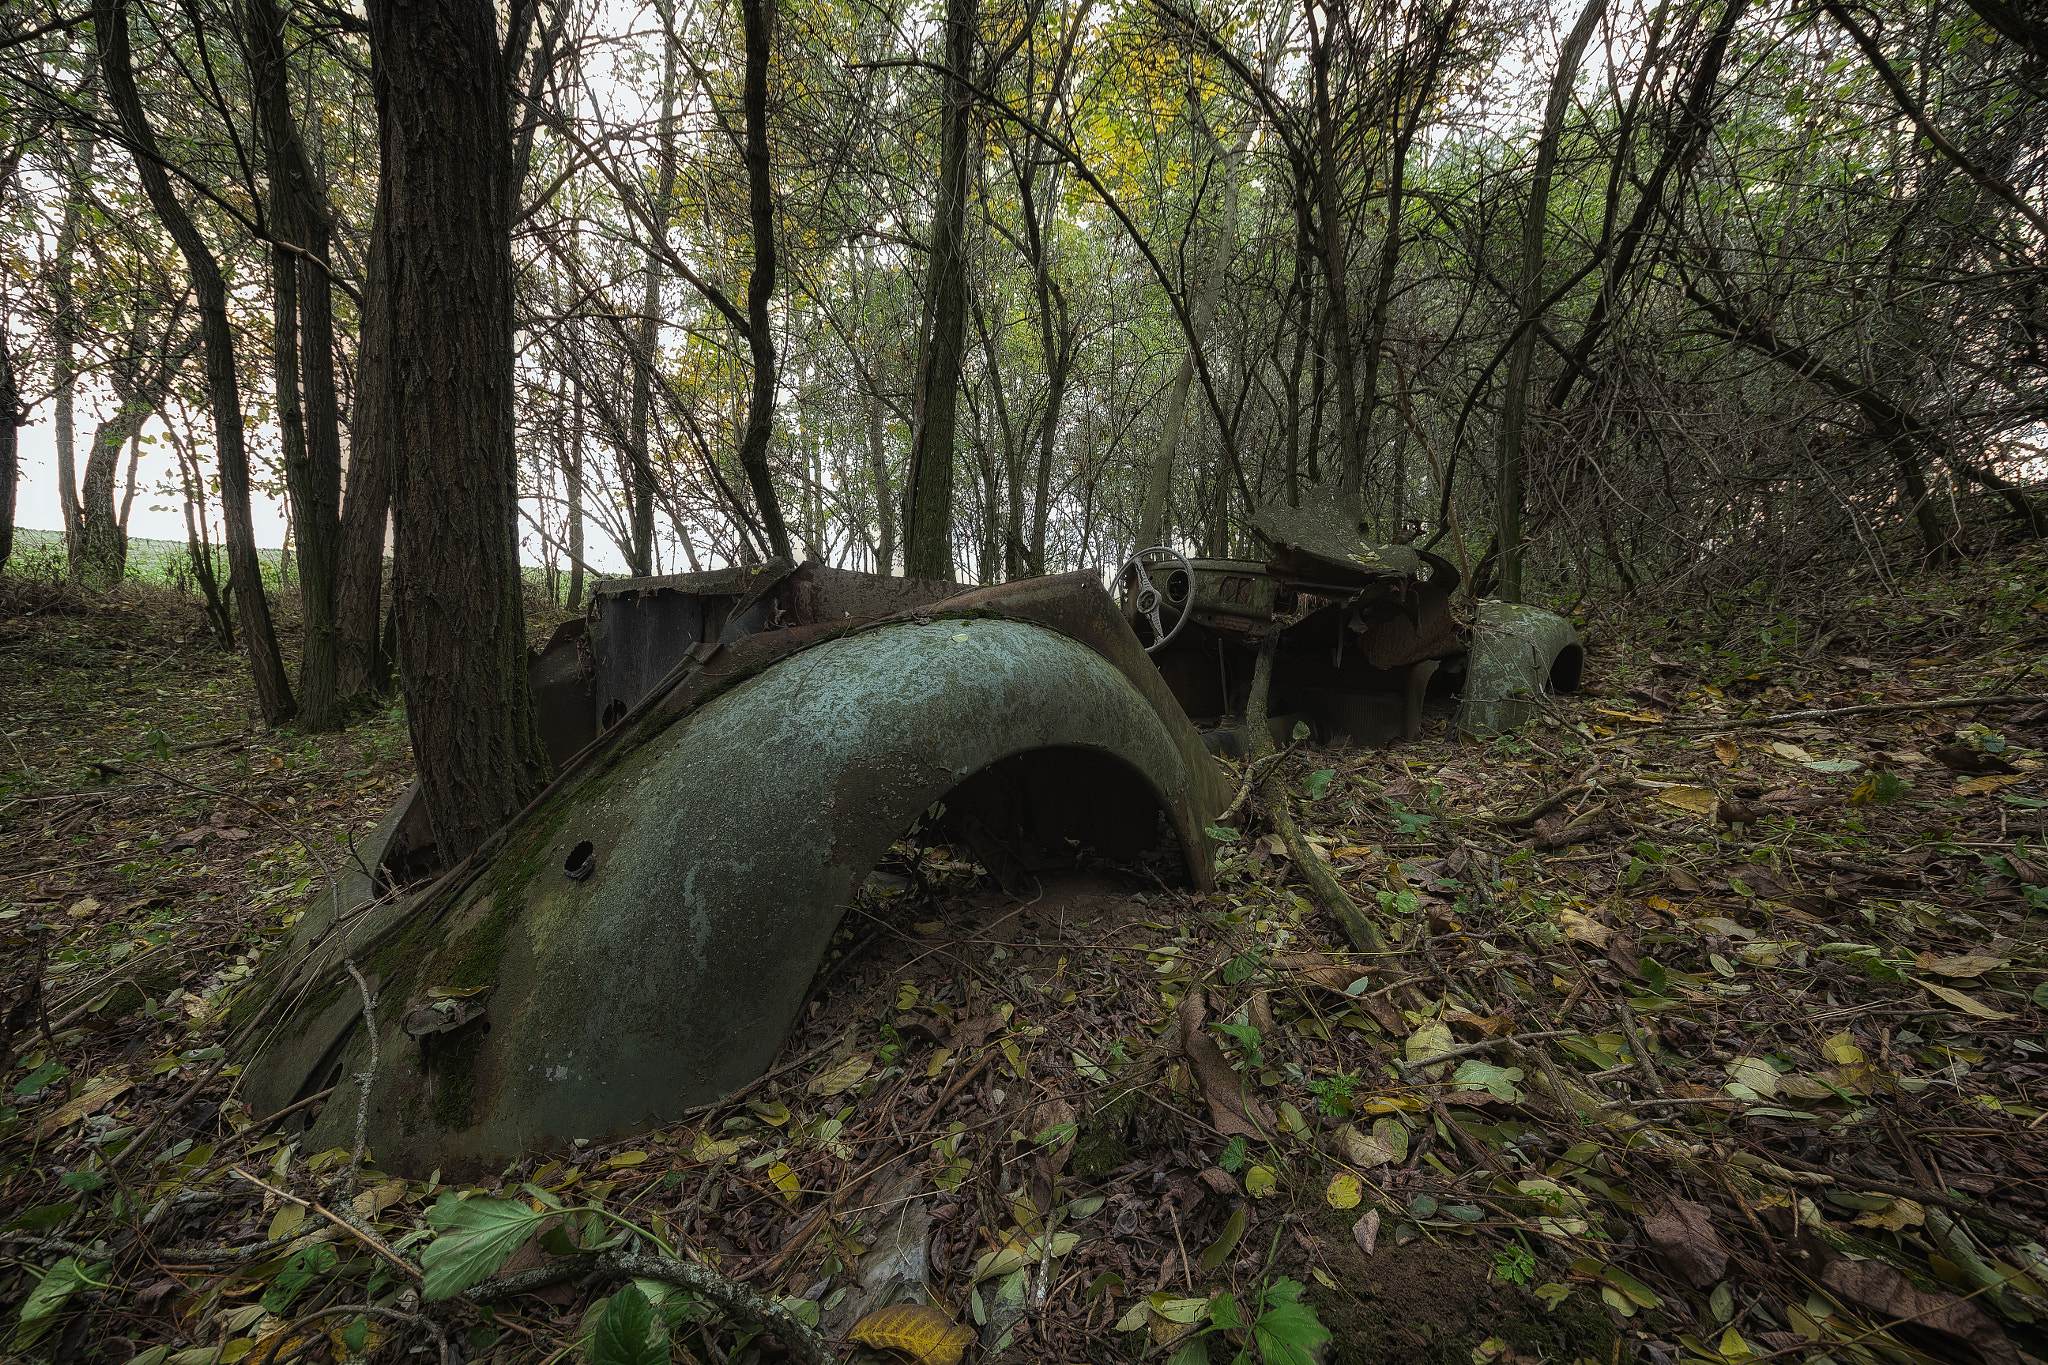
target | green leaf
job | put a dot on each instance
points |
(1300, 731)
(1232, 1157)
(44, 1216)
(1654, 975)
(356, 1335)
(1318, 784)
(1288, 1332)
(40, 1078)
(49, 1296)
(477, 1236)
(625, 1333)
(82, 1181)
(1494, 1080)
(1195, 1352)
(2041, 995)
(298, 1272)
(1226, 1241)
(1222, 834)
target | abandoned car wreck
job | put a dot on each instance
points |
(735, 753)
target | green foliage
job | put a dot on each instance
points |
(476, 1237)
(1334, 1094)
(627, 1332)
(1232, 1158)
(1514, 1264)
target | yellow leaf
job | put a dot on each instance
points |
(1977, 786)
(1695, 800)
(288, 1221)
(1790, 751)
(372, 1202)
(917, 1330)
(1343, 1192)
(707, 1148)
(1727, 752)
(1663, 903)
(454, 992)
(938, 1061)
(1014, 1058)
(1966, 964)
(1581, 929)
(930, 927)
(1902, 1214)
(78, 1106)
(844, 1076)
(1976, 1009)
(1260, 1181)
(624, 1159)
(786, 1181)
(1352, 851)
(1842, 1050)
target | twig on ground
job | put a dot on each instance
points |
(347, 1224)
(364, 1080)
(1875, 709)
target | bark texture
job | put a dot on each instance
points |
(245, 570)
(443, 357)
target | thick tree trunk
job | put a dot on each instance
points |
(302, 306)
(100, 552)
(362, 667)
(761, 283)
(928, 516)
(1335, 257)
(444, 419)
(273, 690)
(1514, 407)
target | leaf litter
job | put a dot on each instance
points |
(1734, 1052)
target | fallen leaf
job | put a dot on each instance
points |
(1977, 786)
(1896, 1216)
(78, 1106)
(1683, 1234)
(1235, 1112)
(1888, 1296)
(842, 1076)
(84, 909)
(1976, 1009)
(1343, 1191)
(1966, 964)
(1582, 929)
(1362, 1149)
(372, 1202)
(1727, 752)
(917, 1330)
(1695, 800)
(1366, 1231)
(1790, 751)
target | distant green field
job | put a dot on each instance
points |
(40, 554)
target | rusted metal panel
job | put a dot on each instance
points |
(715, 837)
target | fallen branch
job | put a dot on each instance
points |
(348, 1225)
(1539, 810)
(1484, 1044)
(1874, 709)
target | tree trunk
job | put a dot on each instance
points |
(878, 470)
(637, 454)
(1336, 260)
(273, 690)
(65, 329)
(444, 418)
(362, 667)
(100, 553)
(761, 283)
(302, 306)
(1514, 407)
(928, 514)
(12, 418)
(1152, 521)
(572, 480)
(199, 544)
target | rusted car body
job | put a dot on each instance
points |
(735, 752)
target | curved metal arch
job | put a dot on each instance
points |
(720, 856)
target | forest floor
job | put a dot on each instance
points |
(1699, 1039)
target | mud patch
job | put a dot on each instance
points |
(1432, 1303)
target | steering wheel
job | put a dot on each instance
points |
(1138, 596)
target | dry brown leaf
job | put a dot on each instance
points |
(1683, 1234)
(1963, 964)
(1694, 800)
(1727, 752)
(1366, 1231)
(1886, 1294)
(77, 1107)
(1234, 1112)
(1581, 929)
(372, 1202)
(917, 1330)
(1976, 1009)
(1362, 1150)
